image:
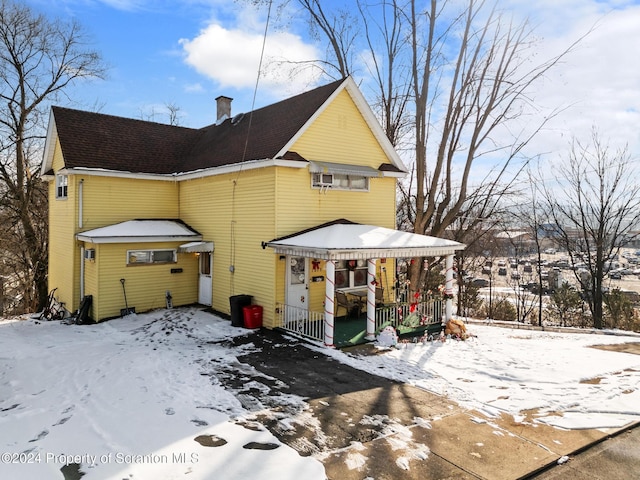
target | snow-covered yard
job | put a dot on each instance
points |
(135, 397)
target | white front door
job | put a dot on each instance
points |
(297, 282)
(205, 285)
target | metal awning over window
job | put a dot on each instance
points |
(343, 168)
(196, 247)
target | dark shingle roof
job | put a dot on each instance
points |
(93, 140)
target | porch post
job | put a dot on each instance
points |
(448, 288)
(329, 295)
(371, 299)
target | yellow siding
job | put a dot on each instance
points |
(341, 135)
(106, 200)
(300, 206)
(236, 212)
(63, 253)
(109, 200)
(145, 285)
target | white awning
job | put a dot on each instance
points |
(141, 231)
(354, 241)
(196, 247)
(343, 168)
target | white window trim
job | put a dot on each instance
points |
(62, 182)
(151, 252)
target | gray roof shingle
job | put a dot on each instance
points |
(99, 141)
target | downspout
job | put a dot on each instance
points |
(81, 272)
(80, 226)
(80, 202)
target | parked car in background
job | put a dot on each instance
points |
(480, 282)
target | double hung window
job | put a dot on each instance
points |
(61, 186)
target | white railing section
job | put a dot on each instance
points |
(302, 322)
(419, 314)
(310, 324)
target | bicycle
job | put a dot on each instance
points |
(53, 310)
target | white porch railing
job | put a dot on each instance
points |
(302, 322)
(425, 313)
(310, 324)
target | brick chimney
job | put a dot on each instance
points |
(223, 105)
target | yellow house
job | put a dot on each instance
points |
(144, 215)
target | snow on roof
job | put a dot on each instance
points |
(141, 231)
(349, 241)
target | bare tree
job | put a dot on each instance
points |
(39, 59)
(452, 86)
(471, 78)
(386, 39)
(531, 215)
(595, 206)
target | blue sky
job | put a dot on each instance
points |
(180, 52)
(189, 52)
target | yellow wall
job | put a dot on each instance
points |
(106, 200)
(64, 264)
(300, 206)
(109, 200)
(340, 134)
(145, 285)
(236, 211)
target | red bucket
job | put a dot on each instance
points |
(252, 316)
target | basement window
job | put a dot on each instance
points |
(146, 257)
(62, 182)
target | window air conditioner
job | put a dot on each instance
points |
(324, 179)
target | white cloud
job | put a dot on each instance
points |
(598, 81)
(231, 56)
(194, 88)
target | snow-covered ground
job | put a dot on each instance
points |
(512, 370)
(135, 397)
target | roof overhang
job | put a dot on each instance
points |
(141, 231)
(350, 241)
(196, 247)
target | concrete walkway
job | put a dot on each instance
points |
(364, 426)
(461, 444)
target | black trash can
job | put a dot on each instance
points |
(238, 302)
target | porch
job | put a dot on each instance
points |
(409, 320)
(363, 250)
